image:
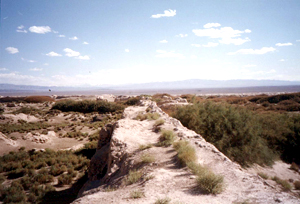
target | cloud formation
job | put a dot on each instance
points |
(53, 54)
(211, 44)
(36, 69)
(126, 50)
(26, 60)
(210, 25)
(73, 38)
(167, 13)
(283, 44)
(12, 50)
(85, 43)
(71, 53)
(40, 29)
(20, 29)
(3, 69)
(61, 36)
(85, 57)
(261, 51)
(227, 35)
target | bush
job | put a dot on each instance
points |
(210, 182)
(263, 175)
(38, 99)
(64, 179)
(163, 201)
(133, 177)
(143, 147)
(159, 122)
(147, 116)
(137, 194)
(185, 153)
(166, 138)
(284, 184)
(147, 158)
(132, 101)
(88, 106)
(235, 131)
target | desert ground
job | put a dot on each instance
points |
(34, 128)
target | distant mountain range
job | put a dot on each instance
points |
(185, 84)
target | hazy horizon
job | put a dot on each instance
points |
(94, 43)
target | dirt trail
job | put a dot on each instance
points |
(177, 184)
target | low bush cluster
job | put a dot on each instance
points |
(22, 127)
(87, 106)
(133, 176)
(38, 99)
(244, 136)
(166, 138)
(147, 116)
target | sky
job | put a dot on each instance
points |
(113, 42)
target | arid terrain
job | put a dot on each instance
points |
(54, 152)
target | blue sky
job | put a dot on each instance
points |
(109, 42)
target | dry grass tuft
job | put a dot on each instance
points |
(137, 194)
(166, 138)
(284, 184)
(163, 200)
(263, 175)
(147, 158)
(143, 147)
(133, 177)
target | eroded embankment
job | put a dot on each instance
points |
(119, 151)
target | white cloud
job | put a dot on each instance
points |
(53, 54)
(182, 35)
(46, 64)
(249, 65)
(226, 34)
(85, 43)
(126, 50)
(167, 13)
(85, 57)
(297, 40)
(12, 50)
(27, 60)
(3, 69)
(20, 29)
(210, 25)
(283, 44)
(54, 31)
(61, 36)
(261, 51)
(193, 57)
(165, 54)
(163, 41)
(235, 41)
(71, 53)
(36, 69)
(211, 44)
(40, 29)
(73, 38)
(196, 45)
(282, 60)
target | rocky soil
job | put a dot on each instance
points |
(119, 151)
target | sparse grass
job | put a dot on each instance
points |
(284, 184)
(64, 179)
(137, 194)
(185, 152)
(110, 189)
(147, 158)
(159, 122)
(76, 135)
(143, 147)
(166, 138)
(297, 185)
(29, 111)
(133, 176)
(147, 116)
(263, 175)
(165, 200)
(206, 180)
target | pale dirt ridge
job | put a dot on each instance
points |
(168, 180)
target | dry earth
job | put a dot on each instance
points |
(165, 179)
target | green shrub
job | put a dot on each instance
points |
(24, 127)
(64, 179)
(210, 182)
(147, 116)
(88, 106)
(185, 152)
(15, 193)
(163, 200)
(284, 184)
(133, 177)
(132, 101)
(137, 194)
(235, 131)
(159, 122)
(147, 158)
(166, 138)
